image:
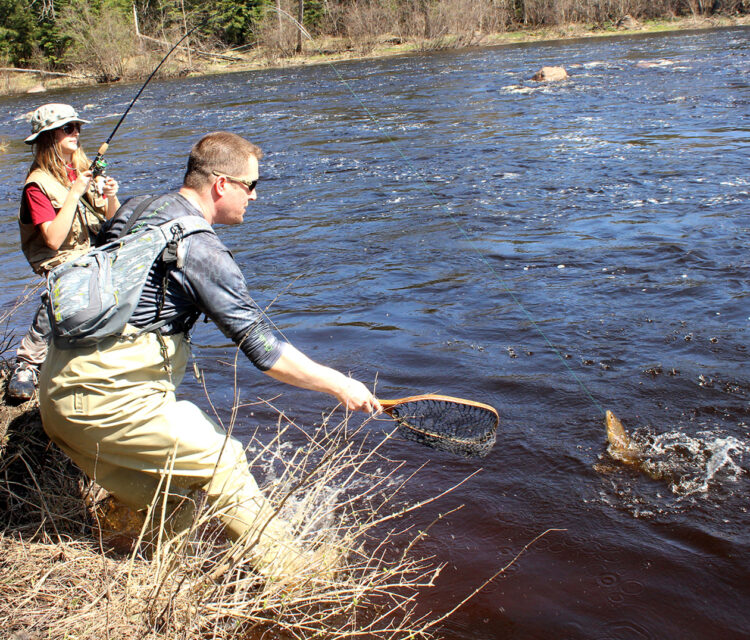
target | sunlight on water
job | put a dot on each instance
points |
(545, 249)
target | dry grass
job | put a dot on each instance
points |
(347, 503)
(344, 499)
(76, 565)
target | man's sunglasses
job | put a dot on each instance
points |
(249, 184)
(69, 128)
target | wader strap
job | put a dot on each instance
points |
(164, 353)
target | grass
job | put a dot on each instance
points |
(360, 576)
(363, 574)
(77, 564)
(331, 49)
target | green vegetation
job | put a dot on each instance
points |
(107, 40)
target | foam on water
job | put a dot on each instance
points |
(693, 464)
(707, 464)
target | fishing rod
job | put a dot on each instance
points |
(99, 165)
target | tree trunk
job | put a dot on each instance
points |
(42, 72)
(300, 17)
(187, 41)
(425, 7)
(281, 24)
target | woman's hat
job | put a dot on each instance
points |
(52, 116)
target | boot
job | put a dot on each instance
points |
(23, 381)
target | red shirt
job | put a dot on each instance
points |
(36, 207)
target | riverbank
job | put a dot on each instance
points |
(330, 50)
(77, 566)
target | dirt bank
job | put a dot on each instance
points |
(328, 50)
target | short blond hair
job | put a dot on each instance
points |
(220, 151)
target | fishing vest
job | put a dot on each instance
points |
(86, 221)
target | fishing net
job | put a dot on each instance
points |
(449, 424)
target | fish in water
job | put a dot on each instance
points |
(621, 447)
(624, 449)
(688, 464)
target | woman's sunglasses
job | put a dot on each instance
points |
(69, 128)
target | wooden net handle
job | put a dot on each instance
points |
(388, 405)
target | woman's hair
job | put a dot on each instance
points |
(220, 151)
(47, 157)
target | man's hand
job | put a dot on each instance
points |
(357, 397)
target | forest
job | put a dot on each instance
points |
(113, 39)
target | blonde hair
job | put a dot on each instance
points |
(218, 151)
(48, 158)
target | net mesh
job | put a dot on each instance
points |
(463, 429)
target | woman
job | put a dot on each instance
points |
(61, 209)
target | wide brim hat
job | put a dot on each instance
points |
(52, 116)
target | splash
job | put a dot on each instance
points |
(621, 447)
(689, 464)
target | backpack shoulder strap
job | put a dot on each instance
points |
(174, 232)
(188, 225)
(137, 213)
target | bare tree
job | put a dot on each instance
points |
(300, 18)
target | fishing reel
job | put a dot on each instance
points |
(99, 170)
(99, 166)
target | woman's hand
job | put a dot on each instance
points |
(110, 187)
(81, 185)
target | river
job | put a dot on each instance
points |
(447, 225)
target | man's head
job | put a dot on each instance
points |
(223, 167)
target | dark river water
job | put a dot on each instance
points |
(444, 224)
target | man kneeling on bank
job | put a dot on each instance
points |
(112, 407)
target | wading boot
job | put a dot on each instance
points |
(23, 381)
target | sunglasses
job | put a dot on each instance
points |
(69, 128)
(250, 184)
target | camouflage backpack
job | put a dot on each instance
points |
(93, 297)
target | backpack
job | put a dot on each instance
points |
(93, 297)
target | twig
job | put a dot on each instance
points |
(205, 54)
(491, 578)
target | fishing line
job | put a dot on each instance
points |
(452, 218)
(99, 165)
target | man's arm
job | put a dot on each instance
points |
(295, 368)
(213, 280)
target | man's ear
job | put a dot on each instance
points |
(219, 186)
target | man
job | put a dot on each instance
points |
(112, 408)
